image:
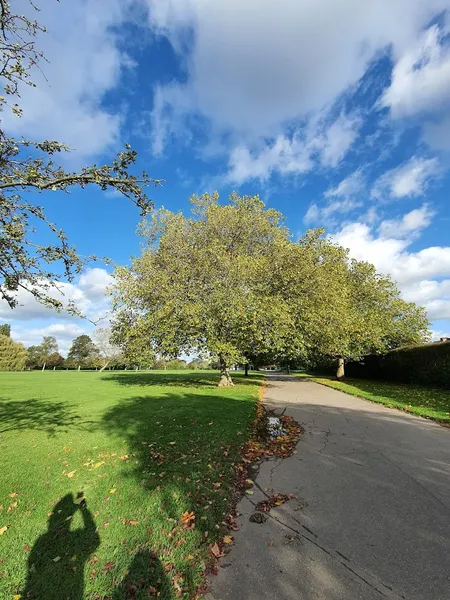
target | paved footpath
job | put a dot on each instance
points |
(372, 515)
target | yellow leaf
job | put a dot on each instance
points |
(17, 597)
(99, 464)
(228, 540)
(3, 529)
(113, 491)
(56, 559)
(190, 557)
(79, 500)
(74, 557)
(71, 474)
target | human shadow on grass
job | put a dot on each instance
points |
(182, 450)
(188, 379)
(16, 415)
(57, 560)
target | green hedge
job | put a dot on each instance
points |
(428, 364)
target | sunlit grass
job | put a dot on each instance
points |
(143, 448)
(433, 403)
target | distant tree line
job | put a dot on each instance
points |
(84, 353)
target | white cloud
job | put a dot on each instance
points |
(31, 321)
(88, 294)
(421, 76)
(85, 62)
(423, 276)
(319, 140)
(64, 333)
(255, 70)
(351, 186)
(411, 223)
(409, 179)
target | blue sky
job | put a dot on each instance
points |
(337, 112)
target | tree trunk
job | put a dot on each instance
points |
(43, 366)
(104, 366)
(246, 369)
(340, 373)
(79, 367)
(225, 377)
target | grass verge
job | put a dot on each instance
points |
(431, 403)
(115, 486)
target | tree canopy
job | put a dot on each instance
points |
(229, 280)
(12, 354)
(82, 351)
(30, 165)
(39, 356)
(5, 329)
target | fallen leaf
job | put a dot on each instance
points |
(216, 550)
(13, 495)
(113, 491)
(17, 597)
(79, 500)
(99, 464)
(12, 507)
(133, 523)
(26, 547)
(228, 540)
(108, 566)
(172, 443)
(190, 557)
(270, 543)
(3, 529)
(71, 474)
(125, 457)
(152, 591)
(56, 559)
(249, 492)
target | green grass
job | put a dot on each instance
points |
(432, 403)
(144, 448)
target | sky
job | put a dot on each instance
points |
(336, 112)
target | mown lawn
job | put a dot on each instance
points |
(433, 403)
(144, 449)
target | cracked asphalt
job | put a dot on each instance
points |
(371, 517)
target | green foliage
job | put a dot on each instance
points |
(229, 281)
(83, 352)
(212, 282)
(427, 364)
(39, 356)
(27, 165)
(5, 329)
(12, 355)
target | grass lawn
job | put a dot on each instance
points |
(433, 403)
(144, 449)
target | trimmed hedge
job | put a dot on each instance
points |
(427, 364)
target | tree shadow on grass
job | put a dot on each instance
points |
(183, 448)
(188, 379)
(145, 579)
(50, 417)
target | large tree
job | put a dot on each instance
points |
(82, 351)
(29, 166)
(209, 282)
(12, 354)
(354, 310)
(38, 356)
(229, 280)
